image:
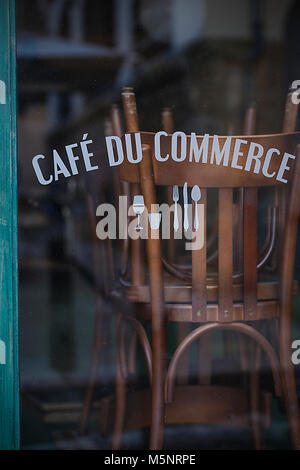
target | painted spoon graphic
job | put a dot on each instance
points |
(196, 196)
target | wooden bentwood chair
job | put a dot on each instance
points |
(231, 298)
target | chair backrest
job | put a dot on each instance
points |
(150, 173)
(195, 161)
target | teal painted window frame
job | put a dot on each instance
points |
(9, 362)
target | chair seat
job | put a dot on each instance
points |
(178, 291)
(178, 298)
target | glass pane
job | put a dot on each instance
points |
(196, 67)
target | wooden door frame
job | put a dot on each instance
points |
(9, 361)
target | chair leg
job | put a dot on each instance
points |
(243, 357)
(253, 369)
(93, 371)
(132, 353)
(205, 360)
(120, 397)
(183, 369)
(289, 390)
(158, 382)
(254, 399)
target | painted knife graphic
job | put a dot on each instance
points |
(186, 207)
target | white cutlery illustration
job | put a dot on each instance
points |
(176, 199)
(196, 196)
(138, 207)
(185, 207)
(155, 218)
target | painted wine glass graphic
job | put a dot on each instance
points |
(138, 207)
